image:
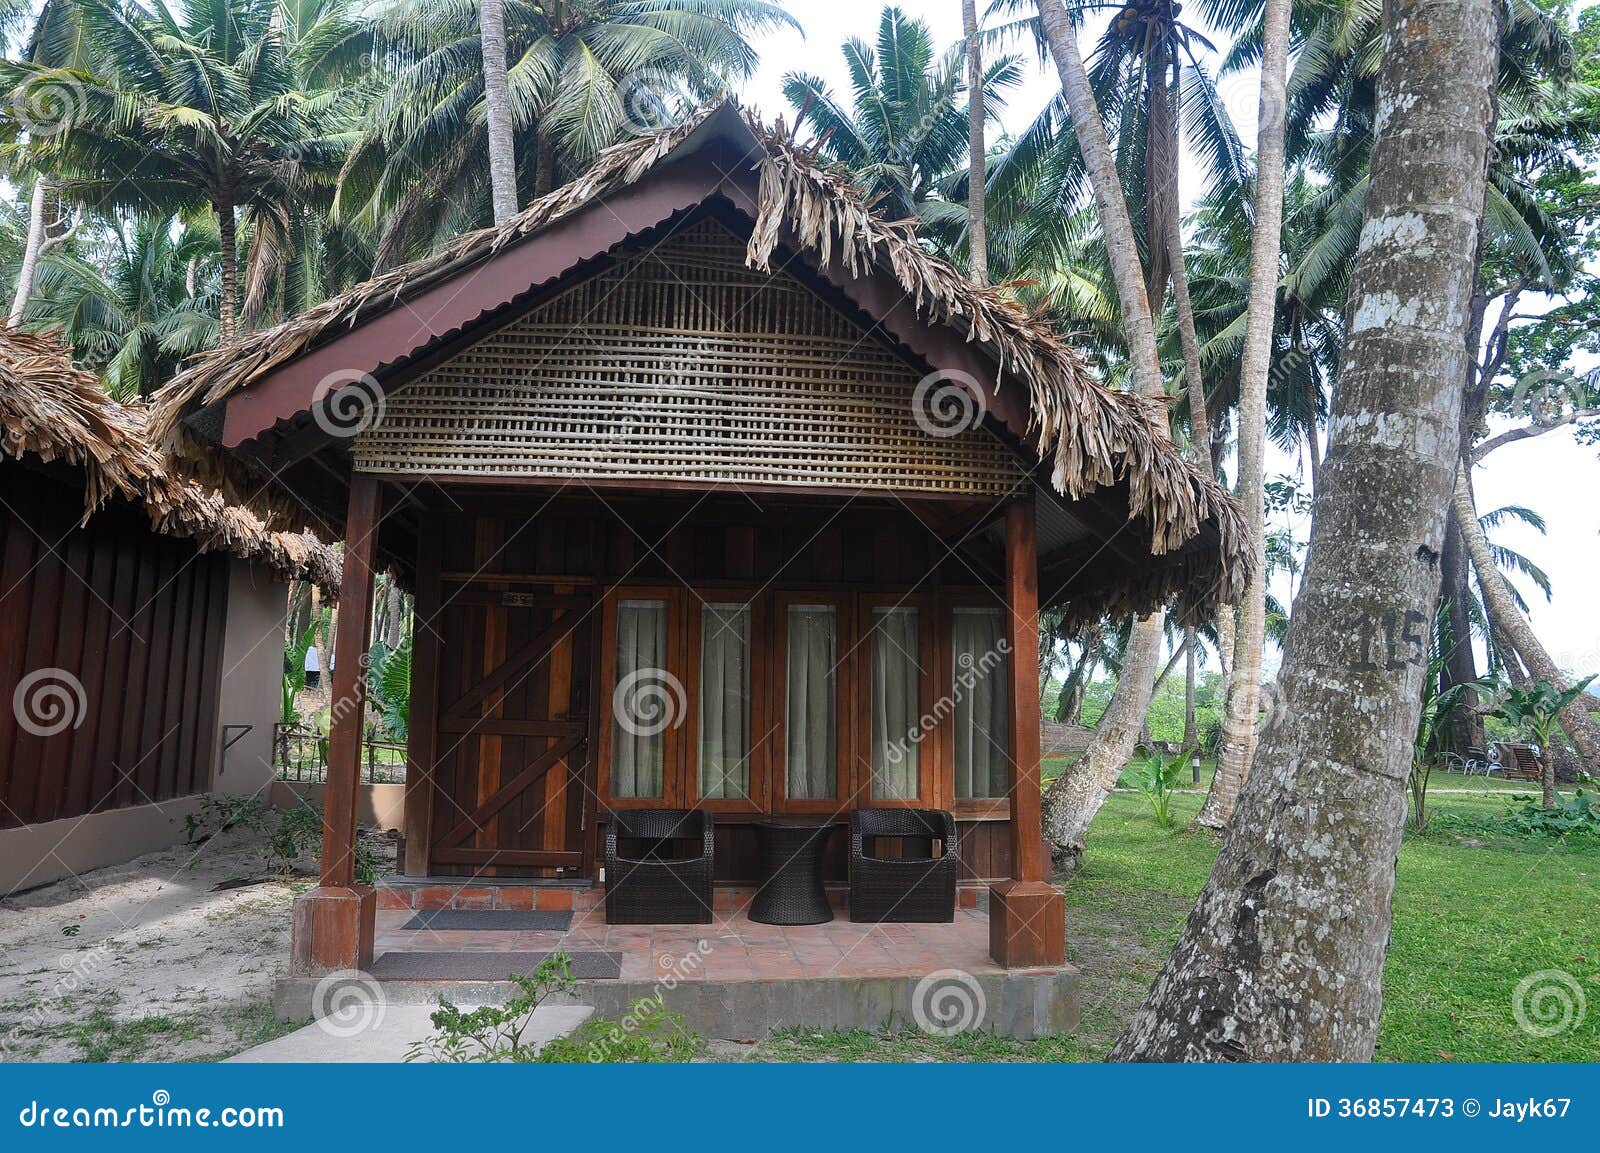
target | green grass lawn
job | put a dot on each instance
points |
(1473, 916)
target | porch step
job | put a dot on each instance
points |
(424, 893)
(492, 965)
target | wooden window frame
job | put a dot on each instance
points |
(760, 700)
(673, 794)
(845, 795)
(930, 769)
(963, 808)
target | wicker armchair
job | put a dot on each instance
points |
(903, 888)
(656, 888)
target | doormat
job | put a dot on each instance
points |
(508, 919)
(399, 965)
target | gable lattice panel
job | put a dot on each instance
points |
(683, 364)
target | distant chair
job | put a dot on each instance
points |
(907, 887)
(1520, 762)
(650, 885)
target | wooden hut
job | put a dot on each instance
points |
(133, 607)
(701, 423)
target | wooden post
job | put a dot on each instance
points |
(1027, 915)
(333, 925)
(422, 738)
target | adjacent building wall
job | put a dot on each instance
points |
(243, 700)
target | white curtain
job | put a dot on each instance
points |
(811, 719)
(643, 689)
(982, 712)
(896, 733)
(725, 701)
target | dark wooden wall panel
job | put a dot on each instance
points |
(137, 620)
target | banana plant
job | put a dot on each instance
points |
(1535, 713)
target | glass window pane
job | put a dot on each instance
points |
(810, 753)
(646, 701)
(725, 701)
(896, 732)
(982, 703)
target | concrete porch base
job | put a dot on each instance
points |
(739, 980)
(1022, 1005)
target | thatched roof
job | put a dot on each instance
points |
(1088, 436)
(60, 413)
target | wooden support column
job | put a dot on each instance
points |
(333, 925)
(422, 746)
(1027, 914)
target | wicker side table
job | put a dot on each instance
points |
(791, 891)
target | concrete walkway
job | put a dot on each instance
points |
(388, 1035)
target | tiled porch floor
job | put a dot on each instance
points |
(733, 948)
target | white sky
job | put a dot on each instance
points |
(1553, 474)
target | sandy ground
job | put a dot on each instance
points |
(145, 961)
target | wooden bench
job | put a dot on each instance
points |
(1519, 762)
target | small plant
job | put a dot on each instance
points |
(1156, 777)
(649, 1034)
(1535, 712)
(295, 833)
(1578, 816)
(219, 812)
(294, 674)
(1437, 707)
(493, 1033)
(389, 681)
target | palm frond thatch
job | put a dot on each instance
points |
(57, 412)
(1090, 436)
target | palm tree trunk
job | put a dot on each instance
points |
(1193, 378)
(228, 236)
(1282, 957)
(1191, 735)
(1077, 794)
(977, 218)
(30, 254)
(544, 164)
(1509, 623)
(1121, 248)
(1460, 663)
(1073, 798)
(497, 106)
(1313, 441)
(1239, 718)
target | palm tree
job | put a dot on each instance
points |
(148, 301)
(977, 151)
(1255, 366)
(497, 111)
(580, 76)
(1149, 80)
(1075, 796)
(54, 40)
(1535, 712)
(198, 109)
(907, 131)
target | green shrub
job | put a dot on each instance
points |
(1156, 776)
(1577, 816)
(648, 1034)
(493, 1033)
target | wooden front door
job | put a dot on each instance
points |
(511, 768)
